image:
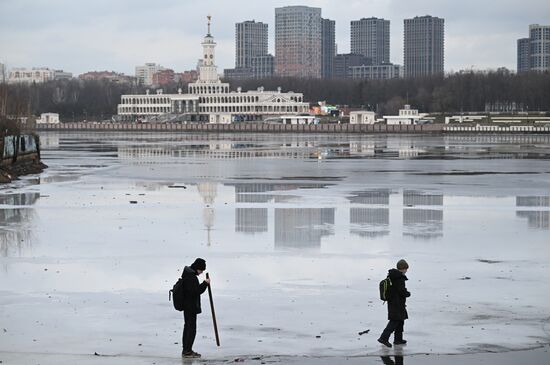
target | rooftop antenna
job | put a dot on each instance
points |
(209, 17)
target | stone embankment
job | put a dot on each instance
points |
(19, 155)
(288, 128)
(244, 128)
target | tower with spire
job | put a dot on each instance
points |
(208, 71)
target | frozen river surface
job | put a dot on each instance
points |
(297, 231)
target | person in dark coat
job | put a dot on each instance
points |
(397, 311)
(192, 304)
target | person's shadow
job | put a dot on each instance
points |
(388, 361)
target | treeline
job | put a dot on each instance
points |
(471, 91)
(98, 99)
(71, 99)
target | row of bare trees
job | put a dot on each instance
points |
(463, 92)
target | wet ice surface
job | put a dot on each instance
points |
(297, 231)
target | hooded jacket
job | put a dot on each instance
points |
(397, 310)
(192, 291)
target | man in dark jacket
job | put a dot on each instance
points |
(397, 311)
(192, 304)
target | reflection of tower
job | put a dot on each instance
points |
(208, 192)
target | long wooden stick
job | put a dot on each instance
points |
(213, 313)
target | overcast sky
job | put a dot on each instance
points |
(81, 35)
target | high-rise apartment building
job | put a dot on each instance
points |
(539, 36)
(371, 38)
(424, 44)
(251, 57)
(262, 66)
(328, 47)
(533, 53)
(524, 54)
(251, 40)
(298, 33)
(343, 63)
(144, 74)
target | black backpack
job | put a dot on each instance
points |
(384, 287)
(177, 295)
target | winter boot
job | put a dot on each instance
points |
(398, 339)
(384, 342)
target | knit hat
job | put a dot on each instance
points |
(199, 264)
(402, 265)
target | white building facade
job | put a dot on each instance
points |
(362, 117)
(210, 100)
(30, 75)
(407, 116)
(48, 118)
(36, 75)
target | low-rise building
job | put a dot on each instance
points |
(48, 118)
(106, 75)
(464, 118)
(30, 75)
(187, 76)
(164, 77)
(362, 117)
(62, 75)
(407, 116)
(299, 119)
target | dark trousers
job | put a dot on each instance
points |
(189, 331)
(393, 326)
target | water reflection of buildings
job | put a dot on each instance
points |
(370, 222)
(536, 219)
(414, 197)
(422, 223)
(15, 218)
(260, 192)
(375, 197)
(214, 151)
(302, 227)
(533, 201)
(251, 220)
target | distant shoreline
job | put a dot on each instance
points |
(288, 128)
